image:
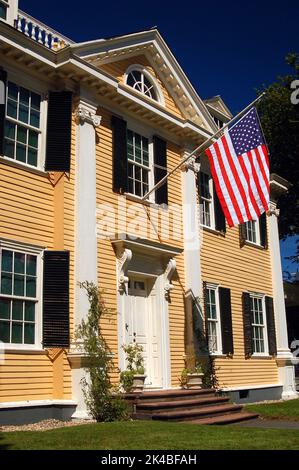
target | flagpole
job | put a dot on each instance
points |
(200, 147)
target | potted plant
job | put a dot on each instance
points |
(132, 379)
(191, 378)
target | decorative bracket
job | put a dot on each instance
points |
(87, 114)
(192, 164)
(123, 264)
(169, 272)
(273, 210)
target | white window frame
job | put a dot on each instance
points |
(38, 252)
(151, 78)
(257, 232)
(217, 321)
(264, 326)
(137, 129)
(34, 86)
(211, 202)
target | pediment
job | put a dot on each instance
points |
(148, 49)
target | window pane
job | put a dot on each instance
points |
(137, 188)
(34, 118)
(17, 310)
(21, 153)
(10, 130)
(31, 265)
(4, 309)
(9, 149)
(6, 283)
(3, 11)
(22, 135)
(12, 109)
(19, 285)
(35, 101)
(23, 113)
(4, 331)
(33, 139)
(13, 91)
(29, 311)
(24, 96)
(137, 173)
(6, 264)
(19, 265)
(16, 332)
(30, 286)
(32, 157)
(29, 333)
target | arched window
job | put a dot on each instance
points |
(141, 81)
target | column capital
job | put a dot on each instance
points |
(191, 164)
(87, 113)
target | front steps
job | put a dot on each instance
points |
(195, 406)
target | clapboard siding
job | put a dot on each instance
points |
(27, 214)
(240, 269)
(118, 69)
(106, 255)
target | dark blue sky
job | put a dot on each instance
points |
(224, 47)
(227, 48)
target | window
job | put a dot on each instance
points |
(3, 9)
(138, 164)
(206, 200)
(259, 329)
(18, 297)
(141, 81)
(218, 122)
(22, 125)
(252, 232)
(213, 320)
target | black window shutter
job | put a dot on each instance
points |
(219, 215)
(59, 128)
(247, 324)
(120, 157)
(242, 234)
(226, 320)
(204, 293)
(271, 326)
(56, 330)
(263, 229)
(3, 78)
(160, 161)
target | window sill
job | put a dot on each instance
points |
(261, 356)
(219, 355)
(254, 245)
(138, 199)
(212, 230)
(22, 166)
(22, 350)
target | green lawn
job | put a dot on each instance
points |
(288, 410)
(150, 436)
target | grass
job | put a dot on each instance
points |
(148, 435)
(287, 410)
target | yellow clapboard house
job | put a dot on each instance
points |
(86, 130)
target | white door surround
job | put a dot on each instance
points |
(144, 273)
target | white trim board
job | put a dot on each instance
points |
(30, 403)
(250, 387)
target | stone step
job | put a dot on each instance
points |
(174, 405)
(194, 413)
(168, 395)
(225, 419)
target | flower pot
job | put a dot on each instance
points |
(138, 383)
(194, 380)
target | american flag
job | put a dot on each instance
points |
(239, 164)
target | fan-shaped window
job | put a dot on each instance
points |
(141, 82)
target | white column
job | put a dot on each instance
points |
(284, 356)
(85, 235)
(192, 241)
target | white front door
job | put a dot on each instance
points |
(143, 326)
